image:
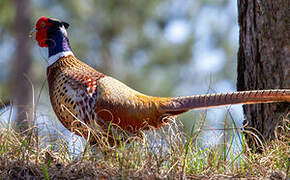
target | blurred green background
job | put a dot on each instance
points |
(158, 47)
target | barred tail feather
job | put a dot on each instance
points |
(179, 104)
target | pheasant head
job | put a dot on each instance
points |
(48, 27)
(51, 33)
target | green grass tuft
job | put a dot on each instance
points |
(166, 153)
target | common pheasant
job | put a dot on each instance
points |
(83, 97)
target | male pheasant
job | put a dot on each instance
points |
(83, 97)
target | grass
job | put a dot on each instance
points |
(168, 153)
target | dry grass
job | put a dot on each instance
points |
(167, 154)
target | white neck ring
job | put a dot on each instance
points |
(54, 58)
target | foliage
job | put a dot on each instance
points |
(126, 40)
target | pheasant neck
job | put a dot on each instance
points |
(58, 47)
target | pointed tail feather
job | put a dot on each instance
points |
(180, 104)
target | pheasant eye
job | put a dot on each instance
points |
(43, 25)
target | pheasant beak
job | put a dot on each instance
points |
(32, 33)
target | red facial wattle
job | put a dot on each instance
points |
(41, 27)
(41, 38)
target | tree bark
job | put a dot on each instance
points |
(264, 58)
(21, 88)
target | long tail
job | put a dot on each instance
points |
(182, 104)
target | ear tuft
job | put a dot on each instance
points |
(65, 24)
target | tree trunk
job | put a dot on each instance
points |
(264, 58)
(21, 88)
